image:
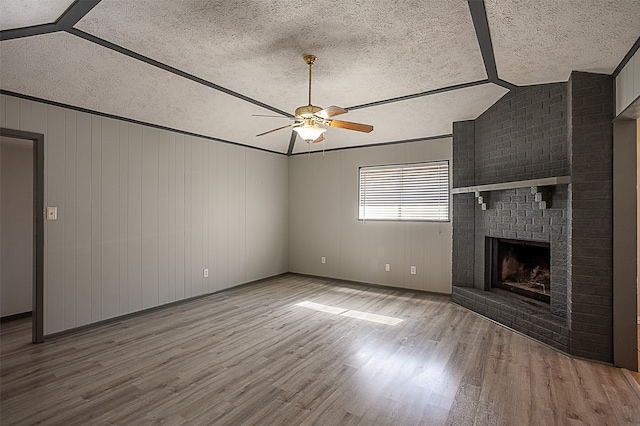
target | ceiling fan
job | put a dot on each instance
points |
(310, 119)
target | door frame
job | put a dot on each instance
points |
(37, 319)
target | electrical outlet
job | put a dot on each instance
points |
(387, 267)
(52, 213)
(413, 270)
(206, 273)
(324, 259)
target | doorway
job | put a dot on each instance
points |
(37, 222)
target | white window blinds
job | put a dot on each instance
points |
(410, 192)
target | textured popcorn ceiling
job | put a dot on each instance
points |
(542, 41)
(76, 72)
(256, 47)
(24, 13)
(368, 51)
(420, 117)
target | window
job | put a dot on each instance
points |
(411, 192)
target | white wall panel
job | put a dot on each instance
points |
(211, 210)
(134, 219)
(71, 208)
(262, 215)
(171, 217)
(3, 111)
(188, 216)
(123, 213)
(323, 212)
(110, 218)
(628, 83)
(142, 211)
(222, 212)
(197, 221)
(163, 216)
(237, 213)
(180, 218)
(96, 219)
(12, 113)
(150, 261)
(83, 221)
(55, 164)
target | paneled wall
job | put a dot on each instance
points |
(142, 212)
(323, 214)
(628, 83)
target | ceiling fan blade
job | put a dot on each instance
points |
(274, 130)
(366, 128)
(331, 111)
(320, 138)
(270, 116)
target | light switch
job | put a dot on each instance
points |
(52, 213)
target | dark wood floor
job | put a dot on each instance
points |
(252, 356)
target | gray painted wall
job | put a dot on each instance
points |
(323, 212)
(142, 211)
(625, 244)
(16, 226)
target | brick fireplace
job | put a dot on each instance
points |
(519, 267)
(541, 158)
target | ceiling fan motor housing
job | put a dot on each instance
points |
(307, 111)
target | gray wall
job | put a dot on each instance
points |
(625, 244)
(323, 212)
(16, 226)
(142, 211)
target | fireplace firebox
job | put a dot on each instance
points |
(519, 266)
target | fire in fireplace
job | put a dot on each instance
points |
(522, 267)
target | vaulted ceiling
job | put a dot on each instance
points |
(409, 67)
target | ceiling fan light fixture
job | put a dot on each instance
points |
(307, 117)
(309, 133)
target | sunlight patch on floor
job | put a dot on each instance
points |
(381, 319)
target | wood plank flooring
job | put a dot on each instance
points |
(251, 356)
(635, 374)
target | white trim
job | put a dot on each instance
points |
(558, 180)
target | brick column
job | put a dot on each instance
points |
(591, 288)
(463, 204)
